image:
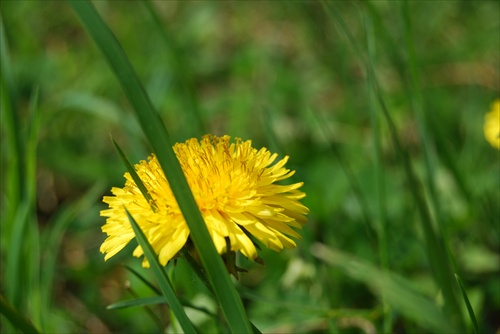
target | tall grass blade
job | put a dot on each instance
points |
(378, 171)
(444, 268)
(157, 268)
(418, 108)
(181, 72)
(158, 137)
(10, 125)
(397, 291)
(144, 280)
(436, 250)
(470, 310)
(162, 278)
(15, 317)
(19, 218)
(32, 261)
(5, 61)
(192, 263)
(443, 147)
(135, 177)
(137, 302)
(349, 174)
(14, 281)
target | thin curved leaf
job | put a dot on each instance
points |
(137, 302)
(161, 277)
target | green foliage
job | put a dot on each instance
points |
(379, 105)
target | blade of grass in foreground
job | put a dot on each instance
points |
(468, 305)
(193, 264)
(157, 268)
(396, 291)
(134, 175)
(159, 139)
(162, 278)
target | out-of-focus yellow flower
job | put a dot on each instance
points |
(234, 187)
(492, 125)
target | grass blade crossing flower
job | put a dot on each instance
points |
(234, 187)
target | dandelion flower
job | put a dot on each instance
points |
(234, 187)
(492, 125)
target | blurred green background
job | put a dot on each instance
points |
(290, 76)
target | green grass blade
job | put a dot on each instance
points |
(378, 170)
(19, 218)
(443, 269)
(193, 264)
(10, 126)
(377, 147)
(397, 291)
(5, 60)
(32, 262)
(197, 268)
(14, 280)
(418, 108)
(144, 280)
(147, 305)
(16, 318)
(436, 250)
(135, 177)
(162, 278)
(181, 72)
(470, 310)
(153, 301)
(158, 137)
(137, 302)
(31, 148)
(322, 125)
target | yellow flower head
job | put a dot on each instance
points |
(233, 185)
(492, 125)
